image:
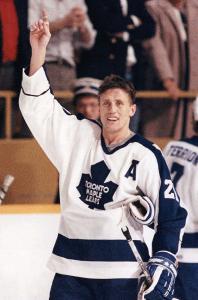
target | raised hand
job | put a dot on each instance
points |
(40, 33)
(39, 39)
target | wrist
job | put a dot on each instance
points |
(37, 50)
(165, 259)
(37, 60)
(167, 255)
(38, 57)
(168, 82)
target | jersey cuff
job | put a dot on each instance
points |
(35, 85)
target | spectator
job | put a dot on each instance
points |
(86, 97)
(14, 50)
(118, 24)
(182, 159)
(173, 52)
(71, 29)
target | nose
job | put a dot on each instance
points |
(87, 111)
(112, 107)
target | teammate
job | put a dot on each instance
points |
(182, 159)
(98, 165)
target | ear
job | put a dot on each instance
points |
(132, 110)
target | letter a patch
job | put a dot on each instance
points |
(132, 170)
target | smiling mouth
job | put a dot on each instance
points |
(112, 119)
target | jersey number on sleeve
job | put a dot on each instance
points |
(177, 171)
(170, 192)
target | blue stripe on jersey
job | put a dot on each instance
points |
(186, 287)
(171, 217)
(66, 112)
(193, 140)
(98, 250)
(78, 288)
(190, 240)
(107, 151)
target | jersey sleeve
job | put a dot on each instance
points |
(170, 215)
(53, 127)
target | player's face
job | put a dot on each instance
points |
(89, 107)
(115, 111)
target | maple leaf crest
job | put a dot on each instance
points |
(93, 189)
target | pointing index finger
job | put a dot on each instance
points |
(44, 16)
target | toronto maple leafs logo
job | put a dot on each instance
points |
(93, 189)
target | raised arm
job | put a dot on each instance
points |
(39, 39)
(53, 127)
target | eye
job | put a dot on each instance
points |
(119, 103)
(105, 103)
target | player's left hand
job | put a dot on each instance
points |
(142, 210)
(40, 33)
(162, 269)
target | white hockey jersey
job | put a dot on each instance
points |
(182, 159)
(90, 243)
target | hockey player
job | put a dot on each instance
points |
(98, 165)
(182, 159)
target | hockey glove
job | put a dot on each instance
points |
(162, 270)
(142, 210)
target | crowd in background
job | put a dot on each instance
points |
(153, 43)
